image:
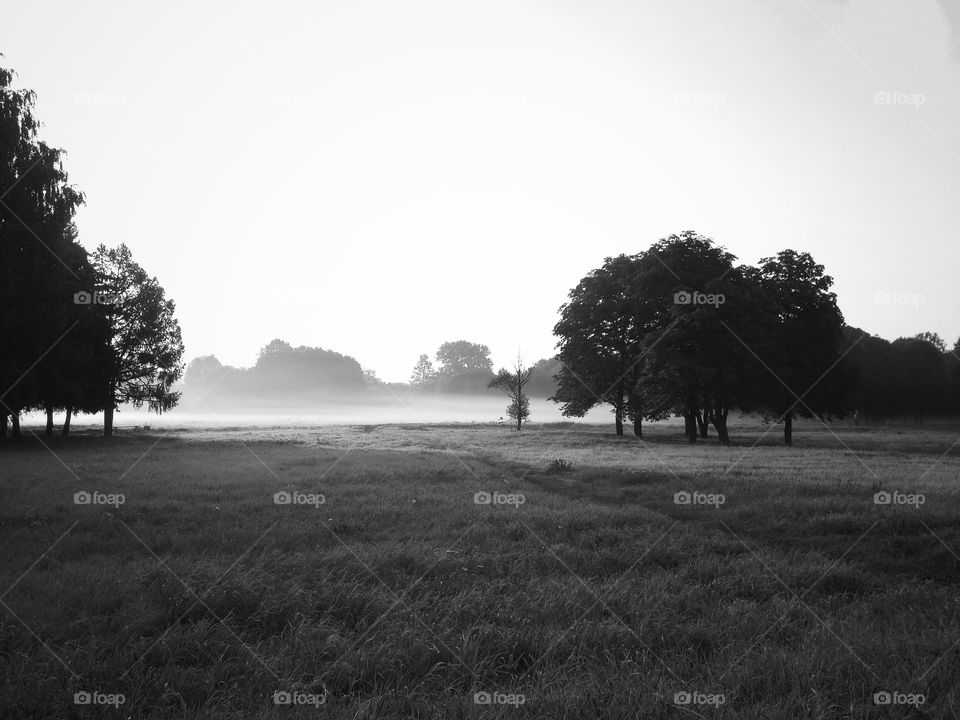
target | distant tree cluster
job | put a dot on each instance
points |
(909, 378)
(543, 377)
(462, 368)
(681, 330)
(282, 372)
(79, 333)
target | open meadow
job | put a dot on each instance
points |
(469, 571)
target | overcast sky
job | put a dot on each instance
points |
(379, 177)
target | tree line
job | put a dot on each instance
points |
(281, 371)
(79, 332)
(681, 330)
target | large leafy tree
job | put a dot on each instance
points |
(712, 323)
(600, 333)
(463, 367)
(423, 373)
(145, 348)
(805, 376)
(42, 355)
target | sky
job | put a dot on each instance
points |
(378, 177)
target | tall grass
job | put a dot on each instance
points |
(399, 596)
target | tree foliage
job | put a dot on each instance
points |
(145, 346)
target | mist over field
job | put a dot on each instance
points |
(378, 410)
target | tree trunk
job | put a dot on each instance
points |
(66, 422)
(788, 428)
(690, 426)
(15, 423)
(4, 422)
(49, 430)
(638, 426)
(702, 423)
(719, 418)
(108, 421)
(619, 419)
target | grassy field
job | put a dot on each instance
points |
(583, 589)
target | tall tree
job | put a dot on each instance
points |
(809, 377)
(600, 341)
(146, 349)
(41, 264)
(712, 322)
(423, 373)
